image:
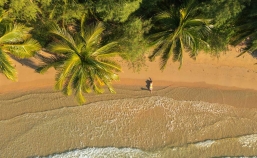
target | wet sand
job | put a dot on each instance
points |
(48, 122)
(208, 108)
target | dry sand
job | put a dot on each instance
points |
(227, 72)
(208, 99)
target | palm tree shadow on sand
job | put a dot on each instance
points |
(148, 81)
(254, 54)
(25, 62)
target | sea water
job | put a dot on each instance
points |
(105, 152)
(248, 141)
(152, 126)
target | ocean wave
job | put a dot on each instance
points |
(248, 140)
(205, 144)
(108, 152)
(159, 124)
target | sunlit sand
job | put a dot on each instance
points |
(206, 109)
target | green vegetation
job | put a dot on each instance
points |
(81, 62)
(165, 28)
(177, 30)
(15, 40)
(246, 29)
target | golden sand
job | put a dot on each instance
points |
(208, 108)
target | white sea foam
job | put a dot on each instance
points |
(214, 108)
(205, 144)
(248, 140)
(108, 152)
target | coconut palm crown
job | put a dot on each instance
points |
(15, 40)
(82, 63)
(178, 30)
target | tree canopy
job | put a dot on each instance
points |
(15, 41)
(178, 30)
(81, 61)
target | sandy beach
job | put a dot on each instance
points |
(207, 108)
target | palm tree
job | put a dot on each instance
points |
(177, 30)
(82, 63)
(15, 40)
(246, 29)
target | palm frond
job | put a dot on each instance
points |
(86, 65)
(75, 81)
(67, 89)
(3, 15)
(241, 36)
(163, 45)
(193, 42)
(92, 82)
(245, 28)
(15, 34)
(253, 47)
(97, 89)
(53, 61)
(79, 96)
(23, 50)
(82, 24)
(17, 41)
(250, 49)
(166, 55)
(158, 37)
(189, 8)
(193, 46)
(60, 47)
(178, 30)
(110, 88)
(109, 64)
(65, 71)
(43, 68)
(181, 50)
(106, 49)
(86, 85)
(204, 31)
(111, 54)
(6, 67)
(63, 34)
(93, 35)
(163, 15)
(177, 53)
(197, 22)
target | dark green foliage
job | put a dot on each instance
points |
(38, 13)
(129, 21)
(246, 29)
(224, 14)
(131, 39)
(134, 43)
(15, 40)
(42, 10)
(177, 30)
(22, 10)
(113, 10)
(3, 2)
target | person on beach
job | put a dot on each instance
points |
(151, 85)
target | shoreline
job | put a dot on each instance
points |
(207, 99)
(44, 122)
(47, 99)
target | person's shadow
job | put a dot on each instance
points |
(148, 81)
